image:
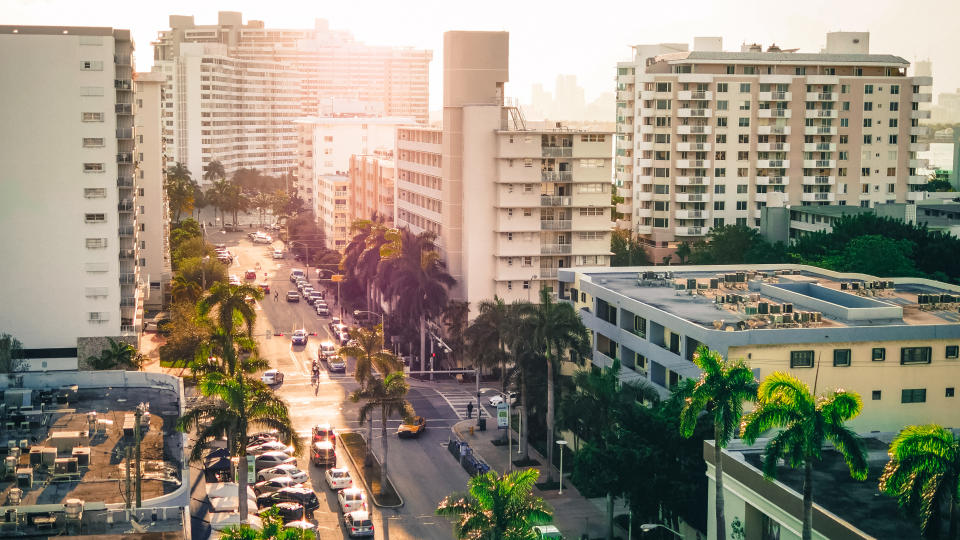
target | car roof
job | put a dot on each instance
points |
(298, 490)
(324, 445)
(274, 453)
(272, 371)
(339, 469)
(352, 491)
(359, 515)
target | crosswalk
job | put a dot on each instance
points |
(458, 402)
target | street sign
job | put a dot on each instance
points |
(336, 278)
(251, 472)
(503, 417)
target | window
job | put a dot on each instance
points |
(915, 355)
(846, 105)
(510, 236)
(844, 122)
(841, 357)
(949, 392)
(953, 351)
(844, 88)
(741, 188)
(663, 86)
(894, 89)
(876, 395)
(720, 172)
(722, 87)
(868, 105)
(594, 137)
(743, 122)
(800, 359)
(91, 65)
(95, 218)
(868, 89)
(867, 122)
(745, 88)
(718, 205)
(722, 105)
(719, 189)
(743, 155)
(914, 395)
(92, 142)
(526, 284)
(527, 212)
(741, 205)
(640, 326)
(894, 106)
(93, 167)
(745, 106)
(893, 122)
(94, 193)
(800, 71)
(867, 139)
(879, 354)
(721, 138)
(96, 243)
(91, 90)
(91, 117)
(892, 139)
(721, 121)
(865, 171)
(743, 139)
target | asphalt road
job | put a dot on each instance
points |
(422, 470)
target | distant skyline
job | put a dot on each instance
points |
(552, 38)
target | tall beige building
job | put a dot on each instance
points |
(234, 89)
(510, 205)
(372, 186)
(708, 138)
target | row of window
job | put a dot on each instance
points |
(914, 395)
(843, 357)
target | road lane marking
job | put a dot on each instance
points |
(293, 358)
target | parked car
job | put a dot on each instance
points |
(269, 446)
(274, 484)
(351, 500)
(334, 321)
(278, 254)
(338, 478)
(272, 376)
(547, 532)
(336, 364)
(299, 337)
(250, 274)
(327, 349)
(413, 429)
(302, 526)
(288, 511)
(262, 437)
(322, 310)
(262, 238)
(358, 524)
(284, 469)
(344, 339)
(301, 495)
(292, 296)
(265, 287)
(296, 273)
(498, 399)
(324, 432)
(316, 297)
(234, 280)
(272, 459)
(306, 292)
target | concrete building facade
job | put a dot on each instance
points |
(510, 205)
(708, 138)
(372, 186)
(69, 198)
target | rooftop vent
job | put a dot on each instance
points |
(773, 48)
(756, 47)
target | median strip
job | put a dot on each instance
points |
(369, 470)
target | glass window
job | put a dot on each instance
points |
(640, 326)
(913, 395)
(876, 395)
(841, 357)
(800, 359)
(915, 355)
(879, 354)
(953, 351)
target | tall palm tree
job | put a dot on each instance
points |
(231, 406)
(214, 171)
(370, 354)
(486, 335)
(183, 289)
(368, 263)
(924, 475)
(497, 507)
(526, 357)
(200, 200)
(455, 319)
(179, 187)
(230, 355)
(233, 305)
(558, 330)
(723, 387)
(117, 354)
(260, 201)
(418, 279)
(807, 422)
(273, 529)
(388, 396)
(217, 195)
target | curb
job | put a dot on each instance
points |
(367, 484)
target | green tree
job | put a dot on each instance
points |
(184, 290)
(187, 334)
(217, 195)
(202, 271)
(807, 422)
(118, 354)
(497, 507)
(388, 396)
(11, 355)
(232, 405)
(369, 354)
(526, 360)
(179, 186)
(683, 252)
(261, 202)
(195, 247)
(924, 475)
(273, 529)
(199, 200)
(486, 337)
(214, 171)
(877, 255)
(455, 318)
(232, 304)
(233, 200)
(723, 387)
(626, 250)
(559, 331)
(734, 244)
(278, 203)
(939, 182)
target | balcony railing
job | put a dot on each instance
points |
(557, 176)
(555, 224)
(125, 157)
(123, 84)
(121, 60)
(128, 302)
(125, 206)
(547, 273)
(554, 200)
(557, 151)
(125, 133)
(125, 182)
(555, 249)
(128, 278)
(125, 231)
(127, 254)
(123, 108)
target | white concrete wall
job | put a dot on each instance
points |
(480, 123)
(154, 217)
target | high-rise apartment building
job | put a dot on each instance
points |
(69, 195)
(234, 89)
(708, 138)
(372, 186)
(153, 212)
(510, 205)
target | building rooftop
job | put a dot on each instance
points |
(770, 297)
(785, 57)
(356, 119)
(832, 210)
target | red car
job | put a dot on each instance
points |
(250, 274)
(265, 287)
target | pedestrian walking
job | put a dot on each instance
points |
(276, 295)
(470, 410)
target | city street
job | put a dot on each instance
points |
(421, 469)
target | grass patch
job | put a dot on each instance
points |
(369, 470)
(173, 363)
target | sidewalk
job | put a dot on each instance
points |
(573, 513)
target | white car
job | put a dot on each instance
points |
(351, 500)
(268, 460)
(272, 376)
(261, 238)
(270, 446)
(498, 399)
(338, 478)
(275, 484)
(284, 469)
(278, 254)
(358, 524)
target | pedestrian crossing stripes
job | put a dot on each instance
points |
(458, 402)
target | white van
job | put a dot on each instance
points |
(297, 273)
(327, 349)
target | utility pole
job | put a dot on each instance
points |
(128, 452)
(138, 414)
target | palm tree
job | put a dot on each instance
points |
(783, 401)
(217, 195)
(389, 397)
(228, 354)
(179, 186)
(417, 279)
(723, 387)
(273, 529)
(117, 354)
(200, 200)
(233, 404)
(486, 335)
(455, 318)
(557, 329)
(183, 289)
(497, 507)
(527, 358)
(214, 171)
(234, 305)
(370, 354)
(260, 201)
(924, 475)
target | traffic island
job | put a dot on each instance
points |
(368, 467)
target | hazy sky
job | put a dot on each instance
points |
(584, 37)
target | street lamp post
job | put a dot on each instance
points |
(203, 273)
(561, 443)
(647, 527)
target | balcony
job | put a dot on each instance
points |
(920, 115)
(123, 108)
(128, 278)
(128, 302)
(819, 147)
(919, 147)
(555, 224)
(623, 161)
(918, 179)
(918, 163)
(693, 180)
(692, 214)
(818, 197)
(123, 84)
(820, 113)
(773, 113)
(773, 130)
(820, 130)
(819, 180)
(557, 151)
(692, 163)
(554, 200)
(644, 212)
(125, 157)
(821, 96)
(693, 197)
(691, 231)
(694, 130)
(694, 113)
(624, 144)
(644, 162)
(920, 130)
(773, 163)
(125, 232)
(687, 95)
(644, 145)
(555, 249)
(625, 79)
(563, 176)
(923, 97)
(122, 60)
(125, 206)
(644, 128)
(648, 94)
(915, 196)
(643, 195)
(693, 147)
(819, 163)
(127, 254)
(773, 147)
(625, 95)
(772, 180)
(125, 133)
(124, 182)
(775, 96)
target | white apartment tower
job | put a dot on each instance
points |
(708, 138)
(69, 195)
(153, 211)
(510, 205)
(234, 89)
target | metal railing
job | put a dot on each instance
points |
(557, 151)
(123, 108)
(125, 133)
(128, 278)
(778, 95)
(125, 157)
(123, 84)
(555, 249)
(555, 224)
(821, 179)
(125, 231)
(824, 130)
(557, 176)
(127, 254)
(125, 206)
(554, 200)
(124, 182)
(823, 163)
